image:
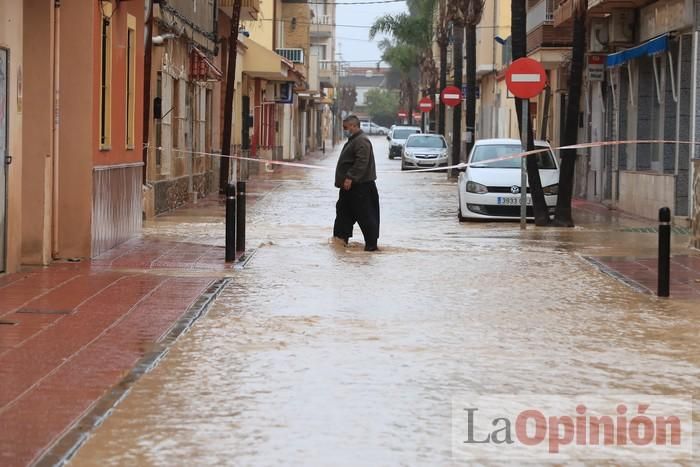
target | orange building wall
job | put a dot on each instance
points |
(119, 154)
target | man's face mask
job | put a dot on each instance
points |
(346, 133)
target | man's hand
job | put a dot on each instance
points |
(347, 184)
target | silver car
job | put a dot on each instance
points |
(423, 151)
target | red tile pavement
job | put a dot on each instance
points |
(643, 273)
(74, 331)
(78, 329)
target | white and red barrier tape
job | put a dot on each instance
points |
(456, 166)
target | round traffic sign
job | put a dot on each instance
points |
(525, 78)
(425, 104)
(451, 96)
(402, 114)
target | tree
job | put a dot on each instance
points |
(410, 49)
(563, 216)
(442, 37)
(519, 38)
(465, 15)
(473, 11)
(382, 106)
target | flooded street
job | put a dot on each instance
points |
(317, 354)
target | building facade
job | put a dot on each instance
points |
(183, 126)
(73, 187)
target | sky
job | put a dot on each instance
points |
(353, 42)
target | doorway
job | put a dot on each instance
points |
(4, 159)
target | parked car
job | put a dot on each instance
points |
(378, 129)
(372, 128)
(492, 189)
(397, 138)
(424, 151)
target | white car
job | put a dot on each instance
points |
(423, 151)
(488, 190)
(397, 138)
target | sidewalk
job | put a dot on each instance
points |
(633, 258)
(72, 334)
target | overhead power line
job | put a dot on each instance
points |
(360, 26)
(373, 2)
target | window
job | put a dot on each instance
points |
(166, 123)
(130, 81)
(159, 122)
(176, 114)
(106, 77)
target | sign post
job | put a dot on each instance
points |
(425, 105)
(451, 96)
(525, 78)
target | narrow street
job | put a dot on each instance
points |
(316, 354)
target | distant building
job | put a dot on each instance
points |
(364, 79)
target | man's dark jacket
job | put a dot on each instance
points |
(356, 161)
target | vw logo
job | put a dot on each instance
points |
(515, 189)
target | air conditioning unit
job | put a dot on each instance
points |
(599, 36)
(284, 92)
(622, 26)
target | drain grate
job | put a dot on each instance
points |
(674, 230)
(39, 311)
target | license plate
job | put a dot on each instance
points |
(512, 201)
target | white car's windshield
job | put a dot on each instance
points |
(403, 133)
(433, 142)
(488, 152)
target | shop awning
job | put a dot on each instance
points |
(203, 69)
(263, 63)
(650, 47)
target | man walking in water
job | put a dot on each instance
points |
(358, 199)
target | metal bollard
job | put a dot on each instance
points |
(663, 288)
(240, 217)
(230, 222)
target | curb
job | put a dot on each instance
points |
(616, 275)
(68, 444)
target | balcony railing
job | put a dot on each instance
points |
(326, 65)
(293, 55)
(542, 13)
(322, 19)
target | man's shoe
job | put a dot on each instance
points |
(371, 248)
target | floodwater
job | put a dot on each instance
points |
(317, 354)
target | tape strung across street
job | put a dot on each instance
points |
(461, 165)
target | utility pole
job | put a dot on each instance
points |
(228, 99)
(148, 46)
(458, 60)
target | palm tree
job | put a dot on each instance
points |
(519, 47)
(410, 50)
(563, 214)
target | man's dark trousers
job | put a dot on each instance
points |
(359, 204)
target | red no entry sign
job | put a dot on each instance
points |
(525, 78)
(402, 114)
(451, 96)
(425, 104)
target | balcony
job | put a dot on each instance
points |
(249, 9)
(293, 55)
(540, 14)
(564, 10)
(321, 26)
(326, 73)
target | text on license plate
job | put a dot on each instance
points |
(512, 201)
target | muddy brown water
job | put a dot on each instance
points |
(323, 355)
